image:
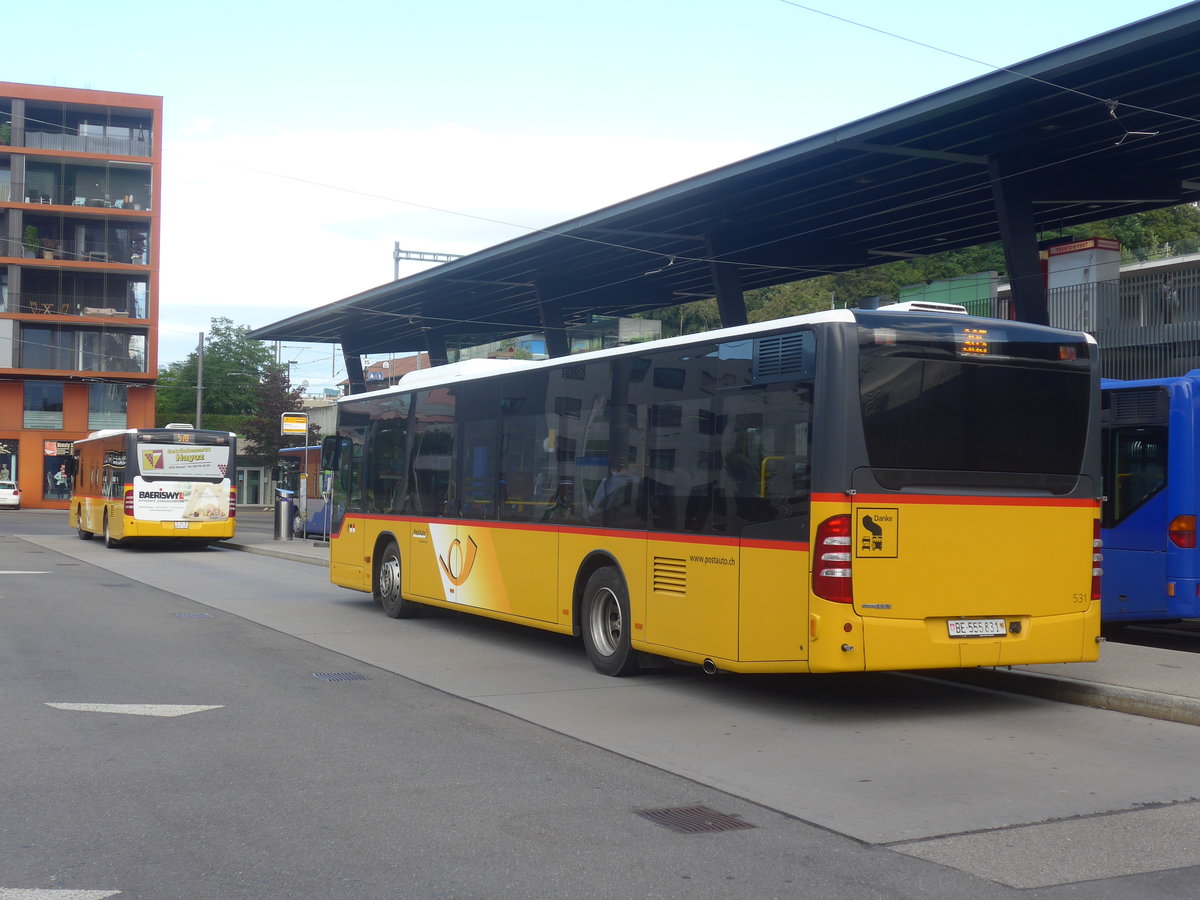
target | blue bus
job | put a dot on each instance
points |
(1151, 436)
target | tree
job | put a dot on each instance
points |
(273, 397)
(233, 365)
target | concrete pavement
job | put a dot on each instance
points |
(1143, 681)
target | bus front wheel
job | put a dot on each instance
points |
(387, 586)
(606, 624)
(84, 534)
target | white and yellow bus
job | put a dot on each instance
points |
(176, 482)
(844, 491)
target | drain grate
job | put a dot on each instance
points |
(194, 616)
(693, 819)
(339, 676)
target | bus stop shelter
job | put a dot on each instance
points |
(1105, 127)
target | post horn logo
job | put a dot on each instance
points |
(459, 561)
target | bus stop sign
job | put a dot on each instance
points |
(293, 423)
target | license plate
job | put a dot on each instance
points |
(976, 627)
(183, 525)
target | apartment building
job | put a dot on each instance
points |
(79, 230)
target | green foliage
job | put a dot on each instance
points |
(1150, 235)
(233, 366)
(274, 396)
(1146, 235)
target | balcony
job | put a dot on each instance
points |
(75, 239)
(109, 307)
(125, 142)
(56, 347)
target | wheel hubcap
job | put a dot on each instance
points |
(606, 625)
(389, 580)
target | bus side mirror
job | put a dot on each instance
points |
(330, 447)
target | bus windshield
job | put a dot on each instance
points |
(1002, 407)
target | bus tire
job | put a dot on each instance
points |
(606, 624)
(386, 586)
(84, 534)
(109, 540)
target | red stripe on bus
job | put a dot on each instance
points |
(954, 500)
(698, 539)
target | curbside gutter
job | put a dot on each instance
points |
(279, 552)
(1134, 701)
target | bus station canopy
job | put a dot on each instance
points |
(1105, 127)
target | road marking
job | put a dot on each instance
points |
(17, 572)
(131, 709)
(52, 894)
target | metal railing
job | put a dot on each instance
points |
(109, 146)
(58, 305)
(1147, 323)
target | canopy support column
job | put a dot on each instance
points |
(354, 370)
(1018, 231)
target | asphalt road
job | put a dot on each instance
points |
(454, 757)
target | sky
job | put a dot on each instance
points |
(303, 141)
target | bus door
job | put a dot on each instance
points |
(344, 454)
(772, 506)
(1135, 517)
(432, 501)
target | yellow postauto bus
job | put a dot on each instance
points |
(844, 491)
(176, 483)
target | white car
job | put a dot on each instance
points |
(10, 495)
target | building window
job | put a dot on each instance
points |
(107, 406)
(43, 404)
(82, 349)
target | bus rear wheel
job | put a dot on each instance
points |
(606, 624)
(386, 585)
(109, 540)
(84, 534)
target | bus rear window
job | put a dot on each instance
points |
(1003, 409)
(183, 461)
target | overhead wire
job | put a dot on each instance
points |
(672, 259)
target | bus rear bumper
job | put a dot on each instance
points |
(208, 531)
(926, 643)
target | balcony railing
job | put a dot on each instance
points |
(87, 143)
(57, 305)
(128, 252)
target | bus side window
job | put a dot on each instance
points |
(527, 487)
(431, 490)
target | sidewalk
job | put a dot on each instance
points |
(304, 550)
(1141, 681)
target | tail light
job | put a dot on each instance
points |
(1097, 559)
(831, 579)
(232, 502)
(1182, 532)
(128, 500)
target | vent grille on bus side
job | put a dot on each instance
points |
(669, 575)
(1137, 406)
(783, 357)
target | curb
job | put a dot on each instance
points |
(1134, 701)
(280, 553)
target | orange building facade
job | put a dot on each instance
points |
(79, 246)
